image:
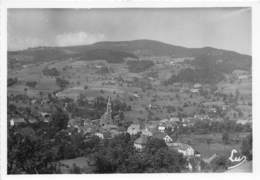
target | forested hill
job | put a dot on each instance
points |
(117, 51)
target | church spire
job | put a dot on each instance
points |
(106, 119)
(109, 110)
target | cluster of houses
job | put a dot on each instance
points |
(157, 130)
(105, 128)
(241, 74)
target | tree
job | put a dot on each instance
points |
(165, 160)
(246, 147)
(220, 164)
(59, 120)
(30, 154)
(208, 142)
(11, 81)
(154, 144)
(75, 169)
(225, 137)
(50, 72)
(62, 83)
(31, 84)
(118, 155)
(112, 154)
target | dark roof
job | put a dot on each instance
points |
(180, 146)
(141, 140)
(159, 135)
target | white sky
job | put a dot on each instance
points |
(225, 28)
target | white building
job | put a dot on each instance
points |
(161, 128)
(140, 143)
(146, 132)
(133, 129)
(185, 149)
(167, 139)
(197, 85)
(195, 90)
(243, 121)
(100, 135)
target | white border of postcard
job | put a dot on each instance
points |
(254, 4)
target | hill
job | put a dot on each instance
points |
(117, 51)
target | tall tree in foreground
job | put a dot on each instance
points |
(247, 148)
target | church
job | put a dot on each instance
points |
(106, 118)
(106, 122)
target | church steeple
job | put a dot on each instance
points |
(109, 110)
(107, 116)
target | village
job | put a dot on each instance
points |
(171, 113)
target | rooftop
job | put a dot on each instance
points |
(141, 140)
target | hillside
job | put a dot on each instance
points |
(116, 52)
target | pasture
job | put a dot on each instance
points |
(215, 146)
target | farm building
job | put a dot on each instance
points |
(243, 121)
(146, 132)
(140, 142)
(133, 129)
(185, 149)
(163, 136)
(17, 121)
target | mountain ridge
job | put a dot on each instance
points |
(118, 51)
(126, 41)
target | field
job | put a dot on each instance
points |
(244, 87)
(216, 146)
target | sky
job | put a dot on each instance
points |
(224, 28)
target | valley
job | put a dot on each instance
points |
(197, 94)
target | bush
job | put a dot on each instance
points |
(31, 84)
(11, 81)
(246, 147)
(136, 66)
(62, 83)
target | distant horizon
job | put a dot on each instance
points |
(35, 47)
(221, 28)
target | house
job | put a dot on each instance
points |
(140, 142)
(32, 120)
(164, 120)
(161, 128)
(182, 148)
(193, 90)
(115, 132)
(197, 86)
(133, 129)
(45, 114)
(100, 135)
(17, 121)
(11, 122)
(163, 136)
(136, 95)
(243, 121)
(240, 74)
(201, 117)
(146, 132)
(241, 77)
(167, 139)
(174, 119)
(188, 122)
